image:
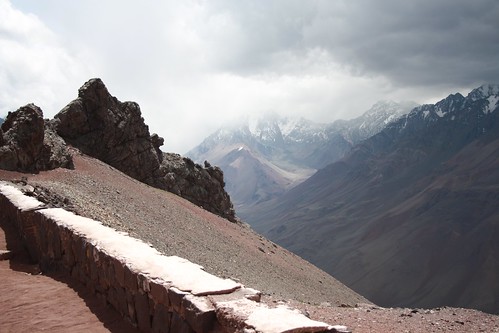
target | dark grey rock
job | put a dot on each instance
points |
(27, 145)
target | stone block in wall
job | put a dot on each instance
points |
(178, 325)
(27, 225)
(121, 295)
(88, 260)
(130, 302)
(159, 292)
(131, 283)
(92, 264)
(56, 243)
(199, 313)
(77, 247)
(161, 319)
(142, 311)
(46, 244)
(104, 270)
(143, 283)
(175, 296)
(41, 227)
(75, 272)
(119, 271)
(112, 298)
(67, 253)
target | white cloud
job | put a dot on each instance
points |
(35, 67)
(193, 65)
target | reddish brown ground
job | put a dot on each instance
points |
(31, 302)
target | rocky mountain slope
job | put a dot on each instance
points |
(410, 216)
(264, 157)
(101, 126)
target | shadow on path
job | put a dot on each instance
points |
(45, 299)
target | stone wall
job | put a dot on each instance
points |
(156, 293)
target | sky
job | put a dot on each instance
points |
(196, 65)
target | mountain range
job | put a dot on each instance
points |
(264, 157)
(409, 216)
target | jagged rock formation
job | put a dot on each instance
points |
(182, 172)
(114, 132)
(28, 144)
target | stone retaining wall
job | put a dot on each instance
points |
(156, 293)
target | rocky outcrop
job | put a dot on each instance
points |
(28, 144)
(200, 185)
(114, 132)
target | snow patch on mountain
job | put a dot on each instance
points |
(439, 112)
(493, 100)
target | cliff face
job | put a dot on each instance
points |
(101, 126)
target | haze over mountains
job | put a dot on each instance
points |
(266, 156)
(410, 216)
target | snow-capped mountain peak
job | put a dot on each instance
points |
(483, 92)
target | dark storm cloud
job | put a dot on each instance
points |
(425, 42)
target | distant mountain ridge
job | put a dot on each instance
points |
(264, 157)
(409, 216)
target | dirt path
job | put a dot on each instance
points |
(31, 302)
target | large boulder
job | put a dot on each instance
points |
(28, 144)
(103, 127)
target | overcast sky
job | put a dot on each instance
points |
(194, 65)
